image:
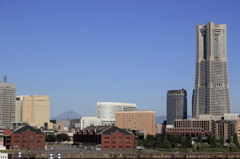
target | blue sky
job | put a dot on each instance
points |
(80, 52)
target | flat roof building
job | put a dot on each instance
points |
(108, 109)
(36, 110)
(143, 121)
(176, 105)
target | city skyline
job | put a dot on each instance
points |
(81, 52)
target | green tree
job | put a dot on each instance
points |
(157, 144)
(188, 142)
(65, 137)
(150, 137)
(213, 142)
(147, 143)
(53, 121)
(229, 140)
(235, 140)
(50, 138)
(62, 137)
(181, 141)
(221, 141)
(209, 139)
(173, 141)
(166, 144)
(140, 142)
(199, 139)
(169, 137)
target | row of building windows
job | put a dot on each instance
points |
(114, 142)
(173, 129)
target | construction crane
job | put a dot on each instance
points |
(82, 115)
(81, 121)
(5, 79)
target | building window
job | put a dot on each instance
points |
(120, 146)
(106, 137)
(127, 137)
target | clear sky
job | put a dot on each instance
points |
(80, 52)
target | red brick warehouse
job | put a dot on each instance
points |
(24, 138)
(111, 138)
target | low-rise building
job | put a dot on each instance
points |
(109, 137)
(206, 125)
(24, 138)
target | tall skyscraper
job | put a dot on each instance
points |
(211, 90)
(176, 105)
(7, 104)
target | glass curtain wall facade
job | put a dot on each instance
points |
(176, 105)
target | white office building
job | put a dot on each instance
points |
(106, 113)
(107, 109)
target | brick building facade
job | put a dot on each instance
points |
(110, 138)
(24, 138)
(194, 127)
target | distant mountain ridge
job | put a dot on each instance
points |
(71, 114)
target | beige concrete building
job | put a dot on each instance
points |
(144, 121)
(18, 109)
(36, 110)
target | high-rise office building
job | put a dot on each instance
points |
(211, 90)
(7, 104)
(176, 105)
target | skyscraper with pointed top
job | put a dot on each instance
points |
(211, 90)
